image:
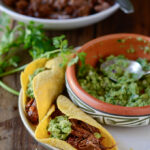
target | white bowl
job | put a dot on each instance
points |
(26, 123)
(62, 24)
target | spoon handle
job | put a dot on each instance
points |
(147, 73)
(126, 6)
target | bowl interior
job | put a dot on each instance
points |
(117, 44)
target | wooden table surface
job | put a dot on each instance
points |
(13, 135)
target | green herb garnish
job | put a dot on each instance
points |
(146, 49)
(31, 38)
(97, 135)
(121, 40)
(131, 50)
(139, 39)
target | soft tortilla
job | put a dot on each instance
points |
(69, 109)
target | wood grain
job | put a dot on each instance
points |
(13, 135)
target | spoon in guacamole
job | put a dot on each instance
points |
(116, 68)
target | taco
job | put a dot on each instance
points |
(42, 81)
(67, 127)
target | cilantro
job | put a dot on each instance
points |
(60, 43)
(82, 56)
(121, 40)
(73, 61)
(139, 39)
(97, 135)
(79, 56)
(29, 37)
(14, 60)
(131, 50)
(146, 49)
(82, 70)
(5, 20)
(7, 88)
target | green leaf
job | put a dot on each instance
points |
(30, 37)
(64, 44)
(12, 71)
(121, 40)
(97, 135)
(82, 57)
(13, 61)
(5, 20)
(73, 61)
(65, 59)
(58, 41)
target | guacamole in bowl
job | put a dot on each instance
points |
(123, 103)
(127, 91)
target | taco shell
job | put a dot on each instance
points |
(47, 85)
(69, 109)
(29, 70)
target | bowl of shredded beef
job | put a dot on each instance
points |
(59, 14)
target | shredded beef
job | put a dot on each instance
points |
(82, 136)
(31, 110)
(58, 9)
(56, 113)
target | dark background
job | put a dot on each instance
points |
(13, 135)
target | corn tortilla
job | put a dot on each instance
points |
(69, 109)
(47, 85)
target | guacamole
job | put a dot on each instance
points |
(29, 91)
(127, 91)
(116, 68)
(60, 127)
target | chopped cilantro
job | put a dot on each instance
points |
(97, 135)
(121, 40)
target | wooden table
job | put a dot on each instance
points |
(13, 135)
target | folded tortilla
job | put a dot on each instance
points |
(47, 85)
(69, 109)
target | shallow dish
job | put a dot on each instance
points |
(125, 137)
(107, 113)
(26, 122)
(62, 24)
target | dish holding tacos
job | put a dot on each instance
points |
(42, 81)
(67, 127)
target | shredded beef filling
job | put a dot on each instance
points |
(56, 113)
(58, 9)
(31, 110)
(82, 135)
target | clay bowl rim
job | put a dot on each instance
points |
(96, 103)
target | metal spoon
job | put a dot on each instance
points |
(134, 67)
(126, 6)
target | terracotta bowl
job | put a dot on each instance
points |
(115, 115)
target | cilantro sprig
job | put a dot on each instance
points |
(29, 37)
